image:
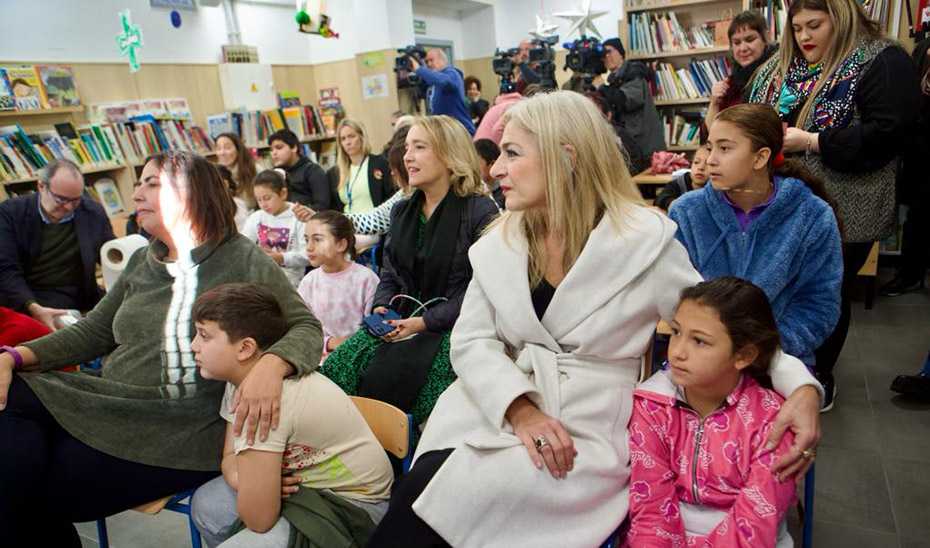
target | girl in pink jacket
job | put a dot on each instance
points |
(700, 468)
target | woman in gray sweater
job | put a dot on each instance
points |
(79, 447)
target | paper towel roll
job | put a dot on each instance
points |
(115, 254)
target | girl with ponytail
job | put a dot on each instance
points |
(768, 220)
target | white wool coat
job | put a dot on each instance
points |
(579, 363)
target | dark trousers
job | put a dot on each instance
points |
(49, 479)
(401, 527)
(915, 247)
(854, 257)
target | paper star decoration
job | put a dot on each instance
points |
(582, 19)
(544, 28)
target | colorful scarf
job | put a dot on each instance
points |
(834, 105)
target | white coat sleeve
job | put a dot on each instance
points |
(479, 358)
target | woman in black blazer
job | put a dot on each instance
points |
(360, 180)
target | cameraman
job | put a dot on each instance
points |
(627, 91)
(446, 94)
(524, 72)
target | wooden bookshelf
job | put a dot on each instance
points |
(647, 178)
(682, 53)
(676, 148)
(674, 4)
(40, 111)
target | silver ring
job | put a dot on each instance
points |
(541, 442)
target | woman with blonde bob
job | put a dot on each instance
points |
(424, 276)
(528, 447)
(850, 97)
(363, 180)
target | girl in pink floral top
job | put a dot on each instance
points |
(700, 468)
(338, 291)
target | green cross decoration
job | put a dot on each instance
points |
(129, 41)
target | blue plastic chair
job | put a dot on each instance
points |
(807, 534)
(367, 256)
(179, 503)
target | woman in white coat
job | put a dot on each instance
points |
(529, 446)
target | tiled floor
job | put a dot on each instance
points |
(873, 465)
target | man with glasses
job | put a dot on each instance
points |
(49, 246)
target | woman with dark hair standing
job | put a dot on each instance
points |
(232, 154)
(750, 47)
(850, 98)
(82, 447)
(477, 107)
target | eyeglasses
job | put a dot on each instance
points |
(62, 199)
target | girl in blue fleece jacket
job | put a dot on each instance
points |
(767, 220)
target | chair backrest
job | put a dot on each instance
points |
(389, 424)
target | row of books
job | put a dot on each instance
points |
(95, 146)
(691, 82)
(682, 131)
(660, 32)
(775, 13)
(34, 87)
(254, 127)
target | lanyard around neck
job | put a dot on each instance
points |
(351, 185)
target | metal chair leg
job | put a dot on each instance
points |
(808, 532)
(103, 540)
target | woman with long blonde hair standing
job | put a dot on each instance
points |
(850, 98)
(529, 446)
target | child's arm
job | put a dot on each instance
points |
(228, 465)
(296, 256)
(250, 230)
(753, 520)
(655, 519)
(259, 479)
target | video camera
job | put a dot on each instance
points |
(406, 78)
(503, 66)
(544, 57)
(585, 58)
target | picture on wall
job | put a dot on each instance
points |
(375, 86)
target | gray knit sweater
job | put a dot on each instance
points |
(150, 404)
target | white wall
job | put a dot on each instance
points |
(86, 30)
(441, 24)
(78, 34)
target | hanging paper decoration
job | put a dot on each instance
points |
(582, 20)
(129, 41)
(544, 29)
(312, 19)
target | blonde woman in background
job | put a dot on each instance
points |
(529, 446)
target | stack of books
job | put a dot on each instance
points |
(775, 13)
(95, 146)
(653, 33)
(692, 82)
(682, 130)
(254, 127)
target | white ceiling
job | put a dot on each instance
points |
(454, 5)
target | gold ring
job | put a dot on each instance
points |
(807, 454)
(541, 442)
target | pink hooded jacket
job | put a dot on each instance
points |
(717, 469)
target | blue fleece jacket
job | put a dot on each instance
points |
(792, 251)
(447, 94)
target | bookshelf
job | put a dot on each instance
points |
(676, 39)
(40, 112)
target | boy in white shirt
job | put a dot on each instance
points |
(322, 439)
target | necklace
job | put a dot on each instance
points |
(351, 185)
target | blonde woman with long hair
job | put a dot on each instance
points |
(363, 178)
(529, 446)
(424, 275)
(850, 97)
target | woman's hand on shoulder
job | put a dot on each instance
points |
(257, 404)
(537, 429)
(801, 414)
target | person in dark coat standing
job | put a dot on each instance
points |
(50, 245)
(627, 91)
